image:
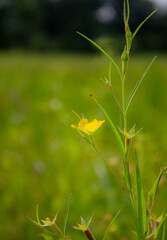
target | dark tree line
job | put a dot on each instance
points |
(51, 24)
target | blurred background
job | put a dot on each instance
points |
(46, 69)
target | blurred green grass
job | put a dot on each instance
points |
(43, 159)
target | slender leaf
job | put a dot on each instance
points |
(163, 234)
(66, 217)
(153, 191)
(110, 67)
(90, 220)
(141, 24)
(112, 125)
(135, 218)
(141, 199)
(113, 220)
(102, 50)
(126, 14)
(37, 213)
(128, 10)
(137, 85)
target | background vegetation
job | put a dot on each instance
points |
(43, 159)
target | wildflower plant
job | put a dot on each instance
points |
(147, 225)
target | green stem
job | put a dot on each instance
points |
(125, 160)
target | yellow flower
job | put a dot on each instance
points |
(88, 127)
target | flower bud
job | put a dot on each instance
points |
(125, 59)
(128, 38)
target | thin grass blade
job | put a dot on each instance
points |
(128, 10)
(113, 220)
(116, 133)
(37, 214)
(163, 234)
(67, 212)
(141, 24)
(137, 85)
(102, 50)
(141, 200)
(153, 191)
(110, 68)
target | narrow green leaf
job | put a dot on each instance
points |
(160, 225)
(141, 24)
(90, 220)
(102, 50)
(135, 217)
(137, 85)
(141, 200)
(110, 67)
(153, 191)
(37, 213)
(163, 234)
(116, 133)
(113, 220)
(128, 10)
(67, 211)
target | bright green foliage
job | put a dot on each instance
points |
(25, 76)
(141, 200)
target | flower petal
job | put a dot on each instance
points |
(94, 125)
(81, 125)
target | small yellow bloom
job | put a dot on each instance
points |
(88, 127)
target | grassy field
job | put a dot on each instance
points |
(43, 159)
